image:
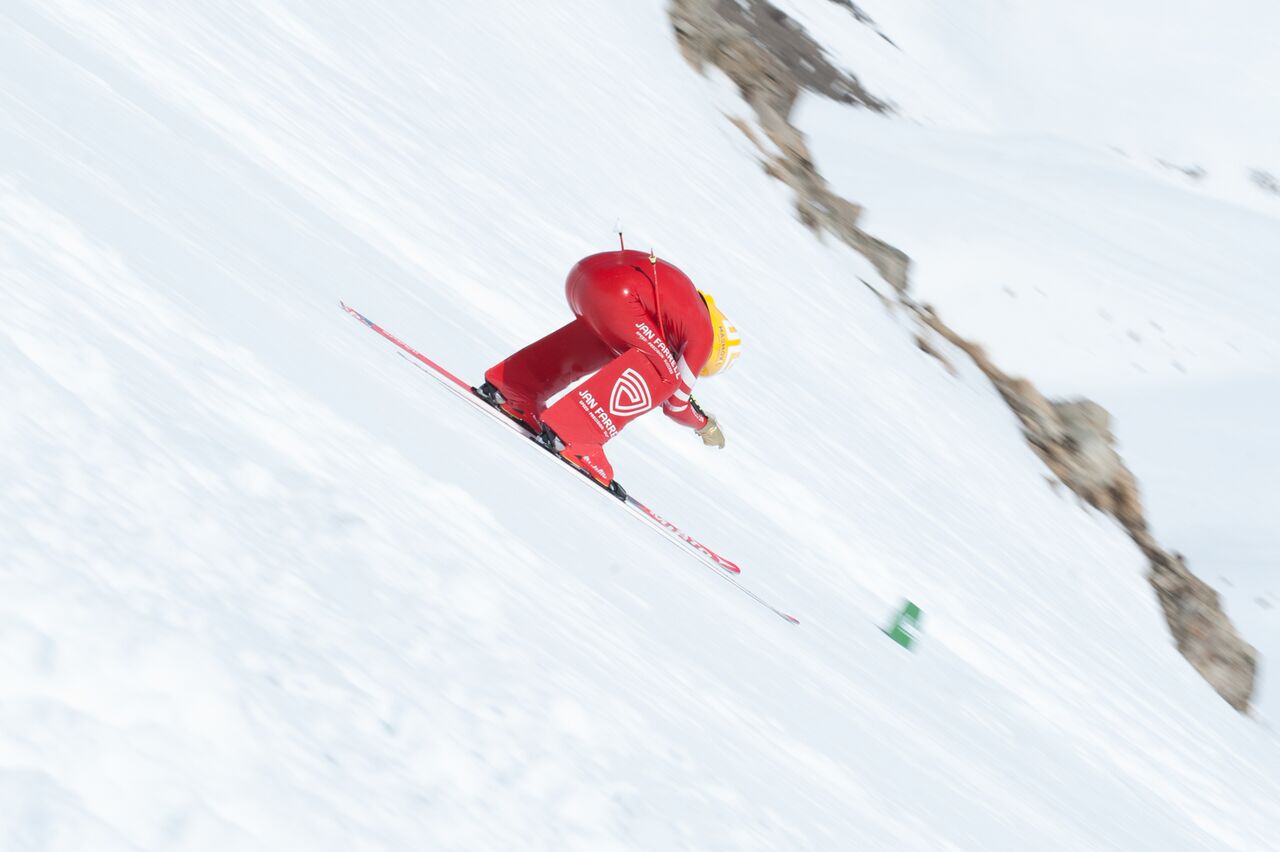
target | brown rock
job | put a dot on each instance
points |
(771, 59)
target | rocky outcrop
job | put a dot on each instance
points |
(1074, 439)
(1265, 181)
(1204, 634)
(771, 60)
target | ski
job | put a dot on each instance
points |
(720, 566)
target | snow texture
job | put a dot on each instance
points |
(267, 587)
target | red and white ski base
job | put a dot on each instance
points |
(723, 568)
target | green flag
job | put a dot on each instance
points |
(905, 628)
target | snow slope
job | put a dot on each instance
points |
(266, 587)
(1025, 184)
(1179, 89)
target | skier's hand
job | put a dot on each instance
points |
(711, 434)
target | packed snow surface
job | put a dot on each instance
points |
(265, 586)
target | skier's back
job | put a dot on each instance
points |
(646, 333)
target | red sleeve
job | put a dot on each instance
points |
(688, 324)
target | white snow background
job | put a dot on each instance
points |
(264, 586)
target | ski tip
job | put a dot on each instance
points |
(790, 618)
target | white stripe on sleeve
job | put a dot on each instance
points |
(686, 375)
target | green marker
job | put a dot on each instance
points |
(906, 625)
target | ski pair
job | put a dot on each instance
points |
(722, 567)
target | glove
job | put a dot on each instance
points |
(711, 434)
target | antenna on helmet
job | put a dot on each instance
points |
(617, 229)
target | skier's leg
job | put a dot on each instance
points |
(633, 383)
(528, 378)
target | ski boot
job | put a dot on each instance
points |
(489, 393)
(589, 459)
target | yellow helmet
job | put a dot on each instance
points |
(726, 343)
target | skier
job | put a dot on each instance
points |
(645, 332)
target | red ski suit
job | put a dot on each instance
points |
(646, 340)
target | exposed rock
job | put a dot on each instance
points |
(926, 345)
(771, 60)
(1266, 181)
(1095, 469)
(1203, 633)
(751, 36)
(1194, 172)
(863, 18)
